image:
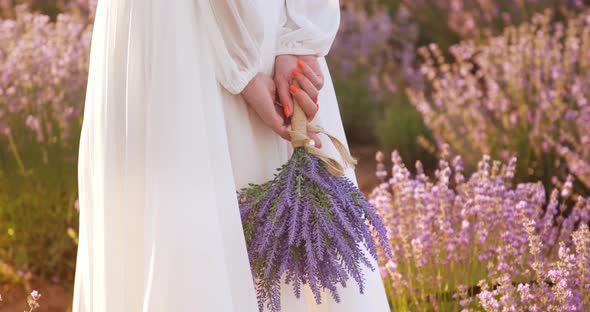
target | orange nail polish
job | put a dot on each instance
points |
(293, 88)
(295, 72)
(300, 64)
(286, 110)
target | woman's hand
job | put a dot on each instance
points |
(306, 71)
(260, 94)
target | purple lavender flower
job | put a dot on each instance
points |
(481, 228)
(308, 227)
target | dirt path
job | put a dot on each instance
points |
(365, 170)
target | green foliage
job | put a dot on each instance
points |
(373, 59)
(37, 213)
(391, 121)
(43, 85)
(359, 112)
(401, 128)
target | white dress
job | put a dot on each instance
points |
(166, 142)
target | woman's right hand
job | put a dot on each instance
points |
(304, 69)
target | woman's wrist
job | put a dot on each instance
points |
(241, 82)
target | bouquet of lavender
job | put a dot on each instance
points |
(309, 223)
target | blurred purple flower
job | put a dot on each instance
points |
(483, 228)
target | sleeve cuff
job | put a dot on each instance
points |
(237, 85)
(297, 51)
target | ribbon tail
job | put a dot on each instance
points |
(333, 166)
(349, 161)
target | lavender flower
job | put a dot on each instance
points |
(449, 234)
(33, 300)
(310, 228)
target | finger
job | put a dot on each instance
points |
(306, 84)
(273, 89)
(316, 80)
(281, 112)
(283, 132)
(305, 102)
(277, 124)
(315, 138)
(282, 86)
(315, 66)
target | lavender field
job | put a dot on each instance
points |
(481, 109)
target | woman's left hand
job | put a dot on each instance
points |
(304, 69)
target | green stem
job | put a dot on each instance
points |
(16, 154)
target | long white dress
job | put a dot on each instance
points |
(166, 142)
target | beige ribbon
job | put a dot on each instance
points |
(299, 138)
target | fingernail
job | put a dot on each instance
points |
(295, 72)
(318, 107)
(300, 64)
(293, 88)
(315, 100)
(286, 110)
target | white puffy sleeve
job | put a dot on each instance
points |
(236, 32)
(309, 27)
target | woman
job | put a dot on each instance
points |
(180, 112)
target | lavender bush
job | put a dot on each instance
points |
(450, 234)
(376, 45)
(524, 92)
(374, 58)
(43, 70)
(560, 285)
(446, 22)
(381, 36)
(372, 61)
(306, 227)
(358, 59)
